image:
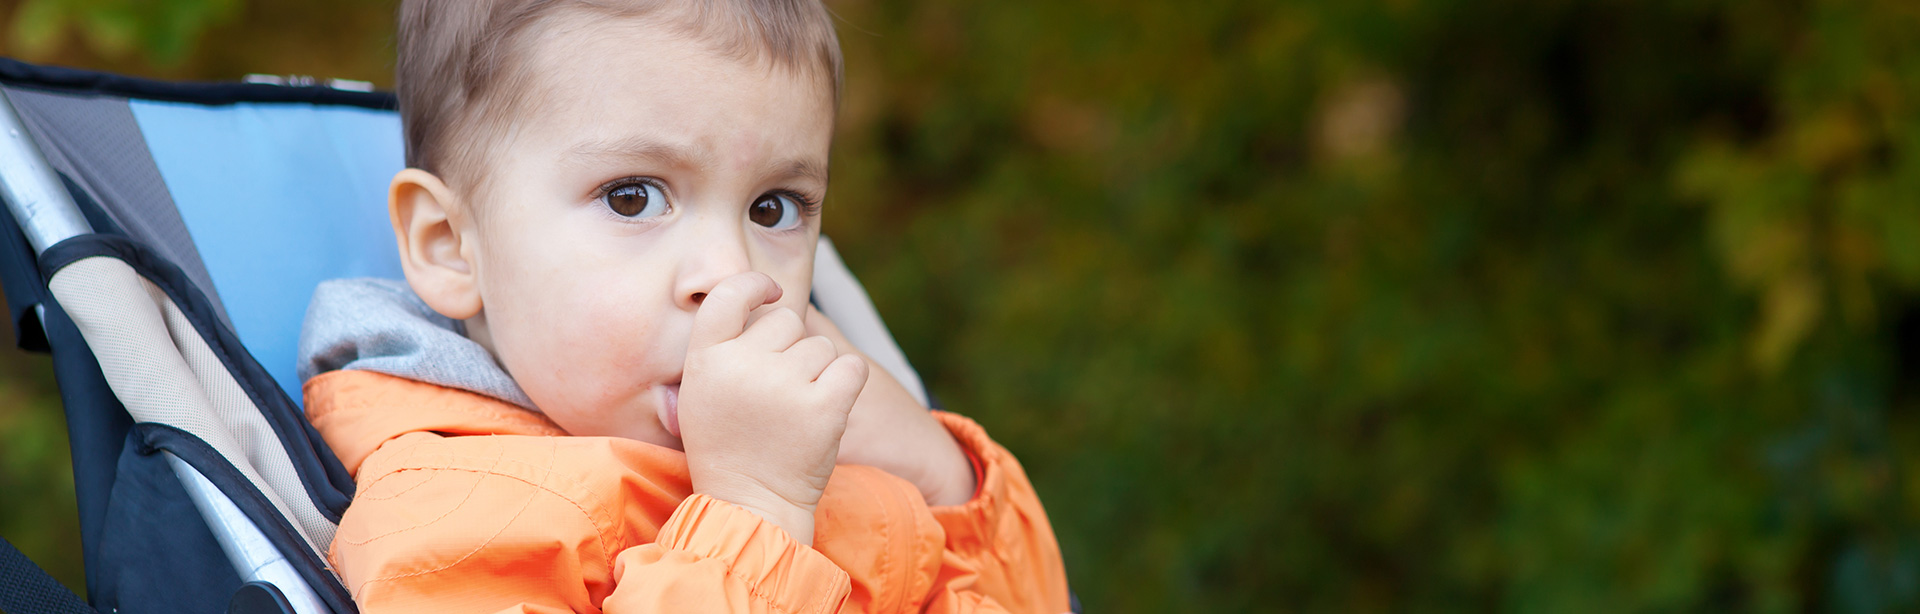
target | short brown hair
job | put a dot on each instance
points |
(458, 63)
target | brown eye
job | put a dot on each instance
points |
(774, 211)
(636, 200)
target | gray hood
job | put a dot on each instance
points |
(380, 325)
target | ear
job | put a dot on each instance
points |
(437, 243)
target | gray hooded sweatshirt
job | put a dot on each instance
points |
(380, 325)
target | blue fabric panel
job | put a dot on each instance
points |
(278, 197)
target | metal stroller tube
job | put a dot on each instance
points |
(33, 192)
(252, 555)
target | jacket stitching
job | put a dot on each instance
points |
(443, 516)
(916, 597)
(886, 541)
(396, 494)
(445, 460)
(754, 589)
(419, 456)
(599, 535)
(361, 589)
(404, 463)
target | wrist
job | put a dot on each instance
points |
(798, 523)
(946, 476)
(794, 517)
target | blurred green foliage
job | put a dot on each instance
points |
(1385, 305)
(118, 28)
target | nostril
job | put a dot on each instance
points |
(698, 297)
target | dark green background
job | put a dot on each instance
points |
(1383, 305)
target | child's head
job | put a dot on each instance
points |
(585, 171)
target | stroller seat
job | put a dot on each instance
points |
(163, 243)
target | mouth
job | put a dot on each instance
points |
(670, 408)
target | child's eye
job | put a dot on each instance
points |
(637, 199)
(775, 211)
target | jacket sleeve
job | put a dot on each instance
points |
(714, 556)
(493, 538)
(1000, 552)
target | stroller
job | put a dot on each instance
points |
(163, 242)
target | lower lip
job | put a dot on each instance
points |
(670, 408)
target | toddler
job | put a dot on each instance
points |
(601, 387)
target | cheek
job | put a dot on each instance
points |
(792, 268)
(560, 332)
(582, 337)
(796, 287)
(590, 365)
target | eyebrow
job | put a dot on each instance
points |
(806, 168)
(643, 148)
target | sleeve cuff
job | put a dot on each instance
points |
(970, 524)
(755, 552)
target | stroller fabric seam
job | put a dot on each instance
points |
(294, 436)
(203, 458)
(72, 80)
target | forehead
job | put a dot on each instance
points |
(600, 78)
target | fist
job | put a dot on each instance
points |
(762, 405)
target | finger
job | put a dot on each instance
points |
(842, 379)
(814, 353)
(774, 332)
(723, 313)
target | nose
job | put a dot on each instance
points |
(713, 253)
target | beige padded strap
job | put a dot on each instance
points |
(163, 371)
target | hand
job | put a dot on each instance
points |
(891, 430)
(761, 408)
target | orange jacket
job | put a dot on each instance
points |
(469, 504)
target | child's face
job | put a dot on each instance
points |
(644, 170)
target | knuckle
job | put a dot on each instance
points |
(856, 367)
(840, 379)
(783, 322)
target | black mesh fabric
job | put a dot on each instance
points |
(164, 558)
(97, 428)
(24, 587)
